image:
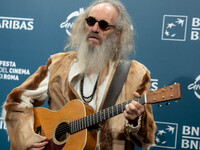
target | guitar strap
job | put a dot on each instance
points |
(115, 89)
(117, 83)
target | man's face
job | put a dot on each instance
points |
(101, 12)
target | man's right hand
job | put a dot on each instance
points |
(38, 146)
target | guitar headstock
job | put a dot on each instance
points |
(167, 93)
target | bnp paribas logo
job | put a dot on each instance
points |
(174, 27)
(166, 135)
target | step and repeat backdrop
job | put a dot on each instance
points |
(167, 42)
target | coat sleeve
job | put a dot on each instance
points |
(19, 105)
(143, 135)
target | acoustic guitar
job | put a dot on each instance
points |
(71, 127)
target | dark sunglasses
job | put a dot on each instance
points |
(102, 23)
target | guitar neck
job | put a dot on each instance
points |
(168, 93)
(102, 115)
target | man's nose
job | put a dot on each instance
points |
(95, 28)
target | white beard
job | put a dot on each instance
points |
(94, 58)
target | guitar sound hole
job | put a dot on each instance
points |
(62, 131)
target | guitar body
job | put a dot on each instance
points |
(49, 123)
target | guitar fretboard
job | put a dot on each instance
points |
(101, 116)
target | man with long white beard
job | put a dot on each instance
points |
(102, 36)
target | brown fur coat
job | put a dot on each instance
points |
(51, 81)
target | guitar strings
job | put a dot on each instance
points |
(82, 123)
(61, 130)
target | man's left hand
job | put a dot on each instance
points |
(133, 109)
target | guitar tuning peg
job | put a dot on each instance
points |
(163, 90)
(159, 105)
(168, 103)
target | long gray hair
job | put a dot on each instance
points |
(126, 41)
